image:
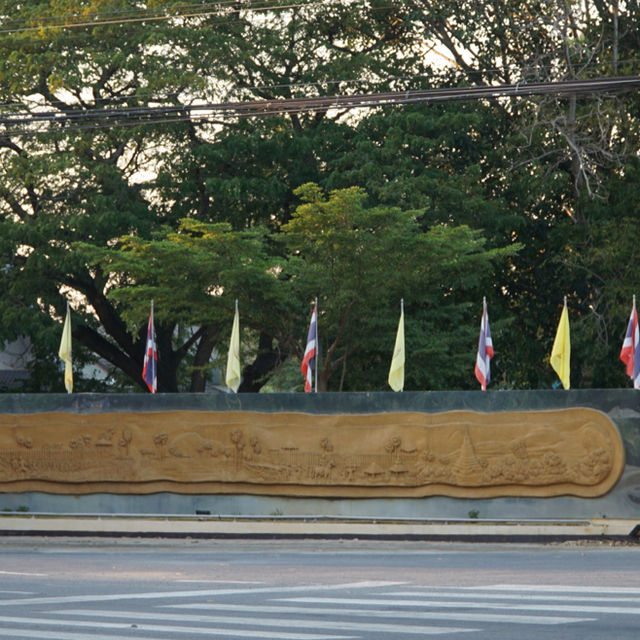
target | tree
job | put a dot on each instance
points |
(561, 159)
(360, 261)
(102, 175)
(76, 169)
(193, 275)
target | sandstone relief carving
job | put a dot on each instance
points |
(458, 453)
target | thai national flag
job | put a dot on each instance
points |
(150, 368)
(630, 352)
(485, 350)
(310, 351)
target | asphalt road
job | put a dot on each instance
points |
(316, 590)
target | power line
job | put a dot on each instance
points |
(319, 84)
(126, 12)
(223, 8)
(27, 123)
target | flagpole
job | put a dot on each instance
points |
(153, 328)
(395, 378)
(65, 351)
(233, 373)
(310, 369)
(150, 364)
(315, 364)
(561, 349)
(67, 369)
(402, 316)
(155, 346)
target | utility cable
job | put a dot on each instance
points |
(38, 122)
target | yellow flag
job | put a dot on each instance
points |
(396, 371)
(65, 352)
(233, 359)
(561, 351)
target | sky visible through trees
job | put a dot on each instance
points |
(198, 153)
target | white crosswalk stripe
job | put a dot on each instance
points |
(523, 597)
(194, 593)
(280, 622)
(8, 632)
(149, 626)
(375, 610)
(400, 615)
(556, 589)
(471, 605)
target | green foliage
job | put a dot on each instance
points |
(360, 262)
(524, 201)
(193, 275)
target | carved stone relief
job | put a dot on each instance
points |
(457, 453)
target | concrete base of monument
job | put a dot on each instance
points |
(622, 502)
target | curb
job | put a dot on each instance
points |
(207, 526)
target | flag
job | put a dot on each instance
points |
(485, 350)
(561, 351)
(396, 370)
(233, 359)
(150, 368)
(64, 352)
(630, 352)
(310, 351)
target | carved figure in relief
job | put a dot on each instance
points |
(27, 443)
(105, 438)
(160, 440)
(82, 442)
(322, 466)
(194, 445)
(325, 445)
(20, 465)
(349, 471)
(323, 471)
(374, 470)
(256, 447)
(125, 440)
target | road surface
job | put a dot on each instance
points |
(63, 589)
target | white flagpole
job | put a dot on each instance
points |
(315, 364)
(402, 314)
(396, 369)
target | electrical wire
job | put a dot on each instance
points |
(225, 6)
(434, 75)
(33, 123)
(128, 12)
(155, 15)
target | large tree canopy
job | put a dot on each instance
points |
(360, 262)
(553, 175)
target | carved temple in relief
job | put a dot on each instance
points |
(405, 454)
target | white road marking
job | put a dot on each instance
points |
(24, 573)
(145, 628)
(272, 622)
(64, 635)
(431, 593)
(544, 588)
(371, 613)
(447, 604)
(190, 594)
(222, 581)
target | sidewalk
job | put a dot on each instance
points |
(321, 527)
